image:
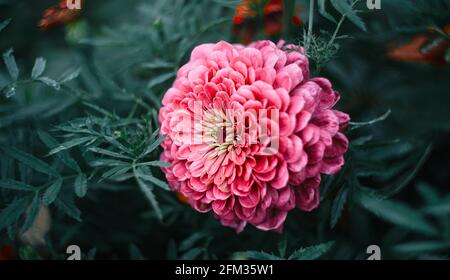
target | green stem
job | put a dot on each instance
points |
(310, 24)
(336, 31)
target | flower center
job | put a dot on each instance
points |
(219, 130)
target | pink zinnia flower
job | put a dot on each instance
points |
(223, 157)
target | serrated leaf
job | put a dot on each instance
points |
(38, 68)
(12, 212)
(52, 192)
(346, 10)
(338, 206)
(4, 23)
(11, 65)
(312, 252)
(50, 82)
(71, 143)
(396, 213)
(32, 212)
(30, 161)
(64, 156)
(68, 208)
(81, 185)
(15, 185)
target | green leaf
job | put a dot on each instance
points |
(389, 191)
(312, 252)
(11, 65)
(4, 23)
(30, 161)
(160, 79)
(50, 82)
(171, 250)
(338, 206)
(32, 212)
(396, 213)
(108, 162)
(135, 253)
(323, 11)
(420, 247)
(117, 172)
(35, 110)
(255, 255)
(440, 208)
(12, 212)
(69, 75)
(282, 246)
(157, 163)
(149, 177)
(38, 68)
(68, 208)
(108, 153)
(347, 10)
(15, 185)
(148, 192)
(81, 185)
(157, 64)
(63, 156)
(154, 145)
(9, 90)
(192, 240)
(70, 144)
(52, 192)
(192, 254)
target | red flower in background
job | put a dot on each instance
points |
(58, 15)
(412, 51)
(7, 253)
(244, 19)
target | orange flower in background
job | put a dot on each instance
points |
(182, 198)
(246, 12)
(58, 15)
(412, 51)
(7, 253)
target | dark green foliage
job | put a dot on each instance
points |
(79, 133)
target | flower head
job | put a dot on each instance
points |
(249, 133)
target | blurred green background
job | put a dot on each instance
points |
(391, 67)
